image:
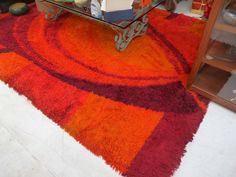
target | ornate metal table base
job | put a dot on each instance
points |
(125, 36)
(51, 12)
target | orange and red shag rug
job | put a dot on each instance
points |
(132, 108)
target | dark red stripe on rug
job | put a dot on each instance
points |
(150, 97)
(179, 56)
(163, 150)
(172, 16)
(5, 50)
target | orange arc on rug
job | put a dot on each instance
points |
(112, 129)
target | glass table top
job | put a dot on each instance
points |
(85, 11)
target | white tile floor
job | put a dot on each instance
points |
(31, 145)
(212, 153)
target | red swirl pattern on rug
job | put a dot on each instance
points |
(131, 107)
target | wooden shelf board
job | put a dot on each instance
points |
(209, 81)
(219, 49)
(214, 98)
(225, 27)
(221, 64)
(214, 81)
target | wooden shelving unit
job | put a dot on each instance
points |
(225, 27)
(214, 72)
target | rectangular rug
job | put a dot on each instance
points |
(131, 108)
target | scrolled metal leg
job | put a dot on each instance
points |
(125, 36)
(51, 12)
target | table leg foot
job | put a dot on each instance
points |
(125, 36)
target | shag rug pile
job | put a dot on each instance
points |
(132, 107)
